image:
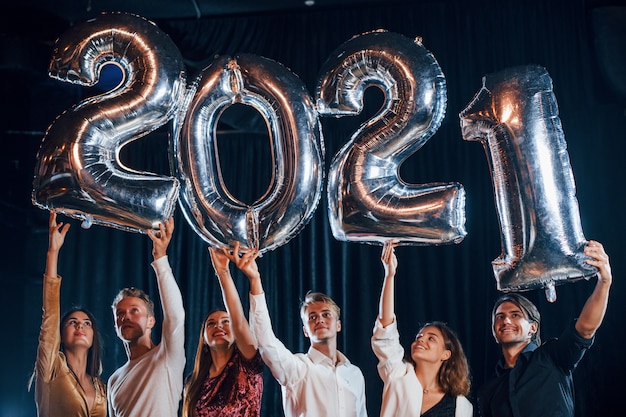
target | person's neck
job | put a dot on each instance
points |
(426, 373)
(139, 347)
(328, 348)
(219, 359)
(511, 352)
(77, 361)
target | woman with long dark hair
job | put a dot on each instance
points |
(432, 380)
(68, 366)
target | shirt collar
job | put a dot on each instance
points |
(318, 357)
(528, 350)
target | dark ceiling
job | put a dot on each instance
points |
(79, 10)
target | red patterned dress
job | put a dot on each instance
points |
(236, 392)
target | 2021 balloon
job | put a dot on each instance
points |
(78, 171)
(297, 148)
(368, 201)
(515, 116)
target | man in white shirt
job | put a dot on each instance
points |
(321, 382)
(151, 382)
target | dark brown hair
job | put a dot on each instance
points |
(528, 308)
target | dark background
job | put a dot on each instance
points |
(582, 45)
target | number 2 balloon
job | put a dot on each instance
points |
(78, 171)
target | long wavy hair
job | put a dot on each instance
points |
(201, 367)
(454, 375)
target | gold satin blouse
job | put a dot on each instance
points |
(57, 391)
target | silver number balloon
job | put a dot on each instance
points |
(515, 116)
(368, 201)
(297, 148)
(78, 171)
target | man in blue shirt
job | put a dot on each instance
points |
(535, 380)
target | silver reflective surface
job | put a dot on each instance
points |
(297, 148)
(78, 171)
(368, 201)
(515, 116)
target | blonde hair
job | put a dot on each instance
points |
(133, 292)
(314, 297)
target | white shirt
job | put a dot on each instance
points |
(151, 385)
(311, 384)
(402, 391)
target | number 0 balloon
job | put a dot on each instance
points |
(515, 116)
(78, 171)
(368, 202)
(297, 149)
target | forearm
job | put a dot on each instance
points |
(281, 361)
(171, 300)
(239, 325)
(594, 309)
(256, 287)
(49, 336)
(52, 261)
(387, 301)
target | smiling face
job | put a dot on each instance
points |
(77, 331)
(132, 320)
(511, 326)
(320, 322)
(429, 345)
(217, 330)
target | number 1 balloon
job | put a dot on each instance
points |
(368, 202)
(78, 171)
(297, 149)
(515, 117)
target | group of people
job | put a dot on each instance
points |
(430, 379)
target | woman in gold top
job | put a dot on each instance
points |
(68, 363)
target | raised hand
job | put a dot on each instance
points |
(390, 262)
(57, 232)
(245, 261)
(161, 238)
(600, 260)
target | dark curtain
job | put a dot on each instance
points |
(453, 283)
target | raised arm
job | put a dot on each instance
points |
(245, 340)
(283, 364)
(594, 309)
(386, 308)
(49, 335)
(171, 298)
(56, 238)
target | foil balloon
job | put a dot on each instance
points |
(368, 201)
(78, 171)
(515, 116)
(296, 143)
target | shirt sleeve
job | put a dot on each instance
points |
(49, 334)
(173, 334)
(387, 348)
(569, 348)
(285, 367)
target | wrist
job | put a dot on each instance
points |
(222, 273)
